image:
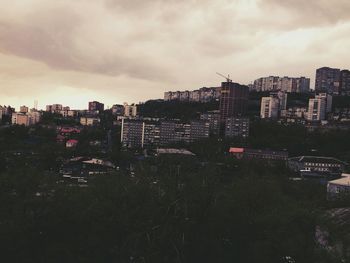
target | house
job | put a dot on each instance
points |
(71, 143)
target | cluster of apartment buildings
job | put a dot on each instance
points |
(25, 116)
(230, 121)
(284, 84)
(65, 111)
(275, 106)
(201, 95)
(332, 81)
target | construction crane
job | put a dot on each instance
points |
(227, 78)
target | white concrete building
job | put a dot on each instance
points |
(89, 121)
(130, 110)
(269, 108)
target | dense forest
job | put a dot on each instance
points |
(206, 208)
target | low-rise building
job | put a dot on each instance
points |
(89, 121)
(164, 151)
(247, 153)
(71, 143)
(339, 187)
(237, 127)
(67, 113)
(142, 133)
(317, 166)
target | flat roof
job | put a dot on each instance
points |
(344, 181)
(317, 159)
(174, 151)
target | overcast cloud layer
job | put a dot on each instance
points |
(71, 52)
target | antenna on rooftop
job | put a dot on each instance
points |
(36, 104)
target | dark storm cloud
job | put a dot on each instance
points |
(106, 46)
(54, 40)
(311, 12)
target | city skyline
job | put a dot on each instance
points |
(75, 52)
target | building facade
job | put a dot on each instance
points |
(142, 133)
(29, 118)
(285, 84)
(258, 154)
(89, 121)
(345, 82)
(96, 106)
(201, 95)
(233, 101)
(339, 187)
(130, 110)
(270, 107)
(118, 109)
(319, 107)
(213, 117)
(316, 166)
(327, 80)
(237, 127)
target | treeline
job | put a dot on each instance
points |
(175, 209)
(175, 110)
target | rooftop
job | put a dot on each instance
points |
(344, 180)
(174, 151)
(317, 159)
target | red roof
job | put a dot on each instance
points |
(72, 141)
(69, 130)
(236, 150)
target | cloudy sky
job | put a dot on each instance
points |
(118, 51)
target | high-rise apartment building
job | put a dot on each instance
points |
(285, 84)
(234, 100)
(132, 133)
(118, 110)
(327, 80)
(345, 82)
(200, 95)
(328, 99)
(1, 112)
(24, 109)
(302, 85)
(270, 107)
(96, 106)
(273, 106)
(130, 110)
(317, 109)
(54, 108)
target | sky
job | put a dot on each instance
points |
(115, 51)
